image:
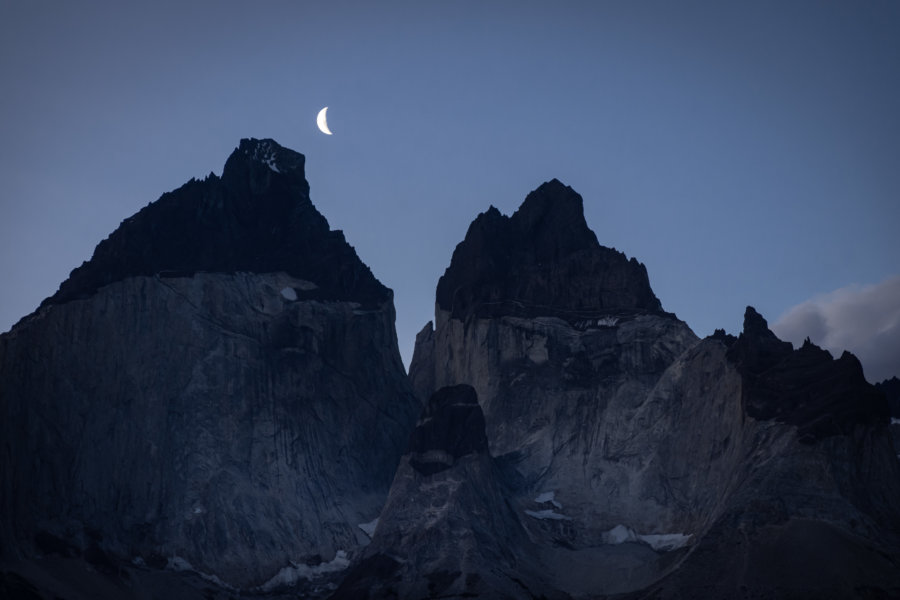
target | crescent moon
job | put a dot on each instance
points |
(322, 122)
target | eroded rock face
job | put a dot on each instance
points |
(638, 457)
(810, 508)
(219, 387)
(561, 380)
(447, 530)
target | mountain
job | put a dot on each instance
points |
(214, 407)
(641, 460)
(218, 391)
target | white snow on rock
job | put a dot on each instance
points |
(265, 153)
(176, 563)
(661, 542)
(548, 497)
(369, 528)
(288, 576)
(619, 535)
(547, 514)
(289, 293)
(601, 322)
(895, 421)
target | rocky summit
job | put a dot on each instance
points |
(543, 259)
(214, 407)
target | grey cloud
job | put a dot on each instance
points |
(862, 319)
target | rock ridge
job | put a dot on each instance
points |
(806, 387)
(256, 218)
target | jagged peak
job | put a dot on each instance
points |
(756, 324)
(257, 217)
(552, 197)
(805, 387)
(270, 153)
(543, 258)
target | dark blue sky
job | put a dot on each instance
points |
(747, 153)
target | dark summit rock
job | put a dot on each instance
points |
(891, 389)
(256, 218)
(804, 387)
(451, 427)
(543, 260)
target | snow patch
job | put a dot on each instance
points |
(661, 542)
(895, 421)
(289, 576)
(176, 563)
(289, 293)
(548, 497)
(369, 528)
(619, 535)
(265, 153)
(547, 515)
(601, 322)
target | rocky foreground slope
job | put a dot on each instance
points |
(214, 407)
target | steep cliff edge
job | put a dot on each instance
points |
(219, 389)
(561, 338)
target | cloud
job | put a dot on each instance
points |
(862, 319)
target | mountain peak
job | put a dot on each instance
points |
(256, 218)
(268, 152)
(542, 259)
(806, 387)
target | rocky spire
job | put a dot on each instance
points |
(806, 387)
(543, 260)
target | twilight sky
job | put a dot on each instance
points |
(747, 153)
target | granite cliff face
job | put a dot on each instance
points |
(447, 530)
(217, 390)
(640, 459)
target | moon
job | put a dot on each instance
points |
(322, 122)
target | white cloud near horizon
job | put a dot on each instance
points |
(862, 319)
